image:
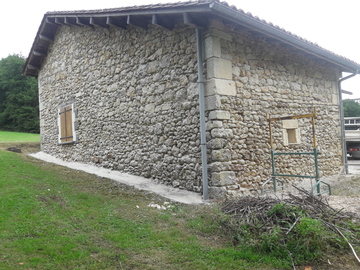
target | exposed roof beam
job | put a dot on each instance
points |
(84, 22)
(59, 21)
(39, 53)
(134, 21)
(162, 22)
(193, 21)
(188, 20)
(46, 38)
(49, 21)
(66, 21)
(115, 22)
(346, 92)
(139, 12)
(167, 15)
(70, 21)
(33, 67)
(98, 22)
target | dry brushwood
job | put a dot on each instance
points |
(264, 213)
(254, 209)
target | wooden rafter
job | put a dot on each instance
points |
(95, 21)
(84, 22)
(39, 53)
(115, 22)
(59, 21)
(188, 20)
(70, 21)
(46, 38)
(33, 67)
(162, 22)
(136, 21)
(48, 21)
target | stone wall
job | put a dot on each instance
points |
(135, 96)
(136, 104)
(261, 79)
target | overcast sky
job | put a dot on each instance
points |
(331, 24)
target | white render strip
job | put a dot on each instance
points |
(141, 183)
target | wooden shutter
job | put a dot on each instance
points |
(66, 130)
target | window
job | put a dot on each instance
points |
(66, 125)
(291, 132)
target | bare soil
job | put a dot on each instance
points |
(25, 147)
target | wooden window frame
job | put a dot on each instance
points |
(66, 124)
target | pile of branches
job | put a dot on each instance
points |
(264, 213)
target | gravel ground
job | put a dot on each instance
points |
(345, 191)
(346, 194)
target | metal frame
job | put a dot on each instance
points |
(315, 153)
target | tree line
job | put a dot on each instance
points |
(19, 104)
(351, 108)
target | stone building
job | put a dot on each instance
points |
(180, 93)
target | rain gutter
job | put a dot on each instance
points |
(201, 88)
(342, 121)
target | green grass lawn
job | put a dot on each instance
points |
(9, 136)
(52, 217)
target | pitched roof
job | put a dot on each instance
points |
(194, 13)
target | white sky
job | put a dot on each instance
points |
(331, 24)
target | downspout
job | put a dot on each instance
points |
(201, 88)
(342, 124)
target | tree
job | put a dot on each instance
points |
(351, 108)
(19, 106)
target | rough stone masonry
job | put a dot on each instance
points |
(135, 98)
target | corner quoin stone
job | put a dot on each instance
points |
(220, 87)
(219, 115)
(224, 178)
(219, 68)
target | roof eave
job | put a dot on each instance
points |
(31, 71)
(279, 34)
(48, 28)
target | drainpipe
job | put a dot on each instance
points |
(342, 122)
(199, 43)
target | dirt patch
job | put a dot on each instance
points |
(24, 147)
